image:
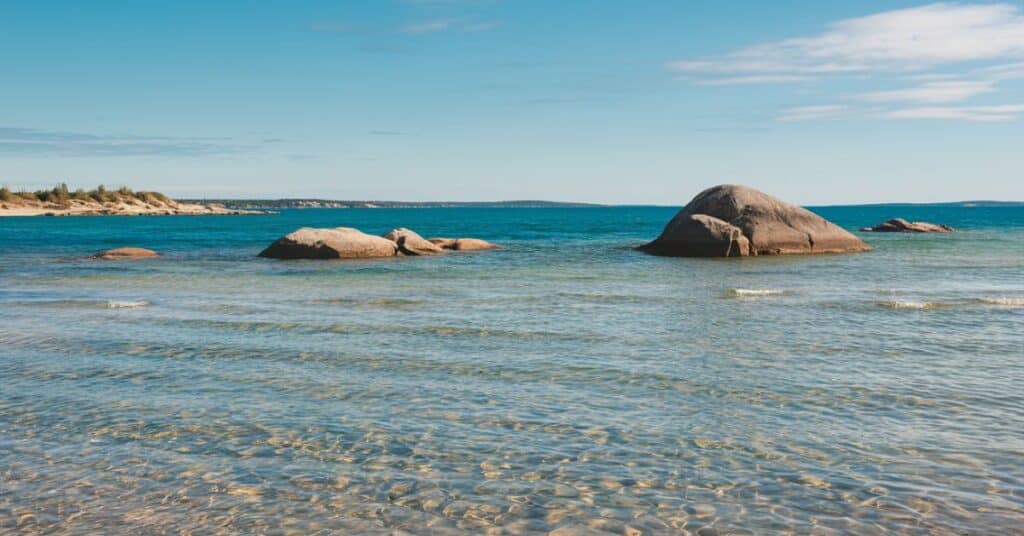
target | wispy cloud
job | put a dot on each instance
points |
(390, 133)
(933, 92)
(1003, 112)
(913, 38)
(804, 113)
(428, 26)
(753, 79)
(920, 44)
(1006, 71)
(28, 141)
(448, 2)
(554, 100)
(448, 24)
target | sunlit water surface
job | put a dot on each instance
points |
(565, 382)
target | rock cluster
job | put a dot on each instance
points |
(349, 243)
(410, 243)
(737, 221)
(900, 225)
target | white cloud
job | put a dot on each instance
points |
(804, 113)
(753, 79)
(947, 49)
(429, 26)
(1003, 112)
(933, 92)
(1009, 71)
(914, 38)
(442, 25)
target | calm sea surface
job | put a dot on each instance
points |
(565, 382)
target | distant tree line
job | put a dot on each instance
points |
(62, 196)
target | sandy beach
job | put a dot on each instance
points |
(77, 207)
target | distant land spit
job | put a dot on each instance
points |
(60, 201)
(293, 203)
(274, 204)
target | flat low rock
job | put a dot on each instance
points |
(900, 225)
(463, 244)
(337, 243)
(125, 254)
(736, 221)
(410, 243)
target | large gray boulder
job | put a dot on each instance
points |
(736, 221)
(900, 225)
(410, 243)
(337, 243)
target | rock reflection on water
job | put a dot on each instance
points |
(540, 389)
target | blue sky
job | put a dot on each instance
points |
(619, 102)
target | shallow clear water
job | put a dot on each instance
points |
(563, 382)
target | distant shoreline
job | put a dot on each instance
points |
(315, 203)
(86, 209)
(60, 201)
(125, 202)
(301, 203)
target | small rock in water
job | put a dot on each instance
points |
(463, 244)
(410, 243)
(117, 254)
(338, 243)
(900, 225)
(701, 511)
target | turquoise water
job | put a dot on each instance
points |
(564, 382)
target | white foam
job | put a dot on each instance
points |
(756, 292)
(126, 304)
(1004, 302)
(910, 305)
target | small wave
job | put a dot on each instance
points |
(913, 305)
(126, 304)
(1003, 302)
(755, 292)
(382, 303)
(598, 297)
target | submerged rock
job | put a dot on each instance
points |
(125, 253)
(337, 243)
(410, 243)
(900, 225)
(463, 244)
(735, 221)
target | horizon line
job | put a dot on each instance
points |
(581, 203)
